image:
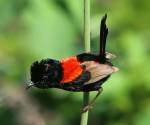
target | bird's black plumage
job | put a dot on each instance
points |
(93, 69)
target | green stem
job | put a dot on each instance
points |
(84, 115)
(87, 25)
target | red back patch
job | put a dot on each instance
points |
(71, 69)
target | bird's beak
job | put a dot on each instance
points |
(30, 84)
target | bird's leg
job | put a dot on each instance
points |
(90, 105)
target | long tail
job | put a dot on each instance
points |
(103, 36)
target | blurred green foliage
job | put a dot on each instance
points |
(34, 29)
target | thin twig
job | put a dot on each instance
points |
(84, 115)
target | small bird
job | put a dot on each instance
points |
(81, 73)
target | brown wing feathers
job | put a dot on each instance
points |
(98, 71)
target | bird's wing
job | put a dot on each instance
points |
(98, 71)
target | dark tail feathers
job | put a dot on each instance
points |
(103, 36)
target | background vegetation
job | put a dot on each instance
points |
(34, 29)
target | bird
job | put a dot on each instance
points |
(83, 72)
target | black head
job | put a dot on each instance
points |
(46, 74)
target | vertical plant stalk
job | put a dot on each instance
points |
(84, 115)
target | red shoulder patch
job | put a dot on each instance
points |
(71, 69)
